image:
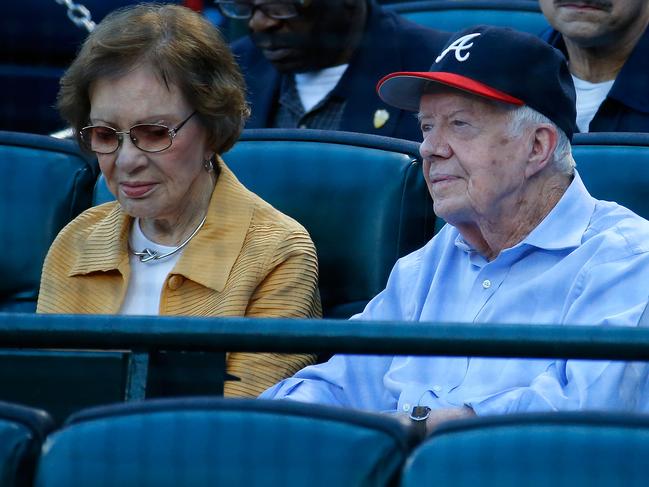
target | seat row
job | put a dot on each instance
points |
(65, 363)
(209, 441)
(363, 199)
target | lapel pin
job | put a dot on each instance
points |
(380, 117)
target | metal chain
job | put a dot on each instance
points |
(78, 14)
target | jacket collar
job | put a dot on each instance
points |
(219, 241)
(630, 86)
(562, 228)
(106, 247)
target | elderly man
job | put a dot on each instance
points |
(313, 63)
(525, 243)
(607, 45)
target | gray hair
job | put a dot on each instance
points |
(524, 116)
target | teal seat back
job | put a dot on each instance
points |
(210, 442)
(454, 15)
(362, 198)
(536, 450)
(22, 432)
(615, 167)
(44, 183)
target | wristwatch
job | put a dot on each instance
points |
(418, 416)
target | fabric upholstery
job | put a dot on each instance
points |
(44, 183)
(22, 431)
(557, 449)
(205, 442)
(452, 15)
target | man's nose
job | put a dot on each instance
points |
(435, 144)
(260, 22)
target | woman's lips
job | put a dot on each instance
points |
(585, 5)
(136, 190)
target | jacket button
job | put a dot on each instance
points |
(175, 282)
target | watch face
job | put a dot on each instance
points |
(420, 413)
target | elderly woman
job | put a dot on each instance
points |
(156, 95)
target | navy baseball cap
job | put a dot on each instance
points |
(498, 63)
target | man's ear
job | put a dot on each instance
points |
(543, 142)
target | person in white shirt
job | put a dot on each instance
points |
(606, 43)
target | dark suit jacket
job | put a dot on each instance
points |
(626, 108)
(390, 44)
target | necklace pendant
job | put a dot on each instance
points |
(147, 254)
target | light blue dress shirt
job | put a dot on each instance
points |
(587, 263)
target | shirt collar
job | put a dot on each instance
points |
(563, 227)
(208, 257)
(566, 223)
(631, 83)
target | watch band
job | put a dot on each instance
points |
(418, 416)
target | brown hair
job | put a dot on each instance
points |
(182, 47)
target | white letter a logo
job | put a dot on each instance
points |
(458, 46)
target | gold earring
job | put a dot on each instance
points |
(208, 165)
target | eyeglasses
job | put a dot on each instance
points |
(275, 10)
(149, 137)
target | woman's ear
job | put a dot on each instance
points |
(541, 153)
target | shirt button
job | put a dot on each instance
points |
(486, 284)
(406, 407)
(175, 282)
(437, 388)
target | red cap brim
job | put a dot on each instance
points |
(404, 89)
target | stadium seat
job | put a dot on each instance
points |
(536, 450)
(207, 442)
(22, 431)
(44, 183)
(362, 198)
(454, 15)
(615, 167)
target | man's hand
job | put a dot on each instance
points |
(438, 416)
